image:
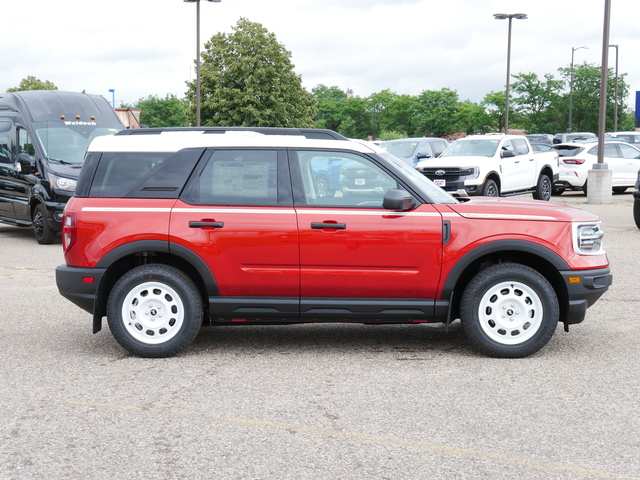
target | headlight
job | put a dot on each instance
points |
(587, 238)
(474, 172)
(62, 183)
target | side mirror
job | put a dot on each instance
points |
(397, 199)
(507, 154)
(24, 164)
(423, 155)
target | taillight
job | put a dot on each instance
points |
(573, 161)
(69, 230)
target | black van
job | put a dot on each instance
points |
(43, 138)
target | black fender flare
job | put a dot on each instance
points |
(495, 247)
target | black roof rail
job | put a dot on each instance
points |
(310, 133)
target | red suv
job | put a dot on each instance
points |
(172, 229)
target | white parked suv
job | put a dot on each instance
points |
(493, 166)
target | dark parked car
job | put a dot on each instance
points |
(540, 138)
(636, 202)
(573, 137)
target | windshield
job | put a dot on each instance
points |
(68, 143)
(472, 148)
(434, 193)
(400, 149)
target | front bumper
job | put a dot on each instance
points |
(584, 287)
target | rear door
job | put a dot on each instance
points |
(357, 259)
(237, 215)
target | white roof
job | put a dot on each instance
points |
(173, 141)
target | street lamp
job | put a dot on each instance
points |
(615, 95)
(197, 2)
(510, 16)
(573, 49)
(112, 91)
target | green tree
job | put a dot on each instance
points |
(495, 105)
(33, 83)
(586, 97)
(436, 113)
(169, 111)
(330, 102)
(247, 79)
(538, 102)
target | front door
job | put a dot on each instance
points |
(358, 260)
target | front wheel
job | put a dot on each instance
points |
(491, 189)
(543, 188)
(44, 234)
(154, 311)
(509, 310)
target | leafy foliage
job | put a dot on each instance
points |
(247, 79)
(163, 112)
(33, 83)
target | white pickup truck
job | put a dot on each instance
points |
(493, 166)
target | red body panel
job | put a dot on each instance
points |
(379, 253)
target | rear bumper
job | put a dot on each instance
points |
(584, 293)
(75, 285)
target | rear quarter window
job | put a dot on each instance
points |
(143, 174)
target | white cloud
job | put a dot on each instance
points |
(147, 47)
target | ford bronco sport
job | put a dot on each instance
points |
(172, 229)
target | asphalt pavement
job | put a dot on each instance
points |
(317, 401)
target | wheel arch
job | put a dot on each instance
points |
(122, 259)
(538, 257)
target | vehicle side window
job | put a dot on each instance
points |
(508, 147)
(628, 152)
(238, 177)
(520, 146)
(340, 179)
(438, 148)
(24, 144)
(610, 150)
(5, 143)
(143, 174)
(425, 149)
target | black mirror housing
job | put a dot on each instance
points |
(398, 199)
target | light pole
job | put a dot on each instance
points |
(112, 91)
(615, 95)
(573, 49)
(510, 16)
(197, 2)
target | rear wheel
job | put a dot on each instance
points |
(44, 234)
(543, 188)
(557, 190)
(619, 189)
(154, 311)
(636, 211)
(509, 310)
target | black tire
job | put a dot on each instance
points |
(322, 187)
(636, 211)
(44, 234)
(557, 190)
(585, 189)
(543, 188)
(491, 189)
(154, 311)
(509, 310)
(619, 189)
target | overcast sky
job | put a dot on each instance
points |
(148, 47)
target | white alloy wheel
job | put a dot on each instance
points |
(152, 313)
(510, 313)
